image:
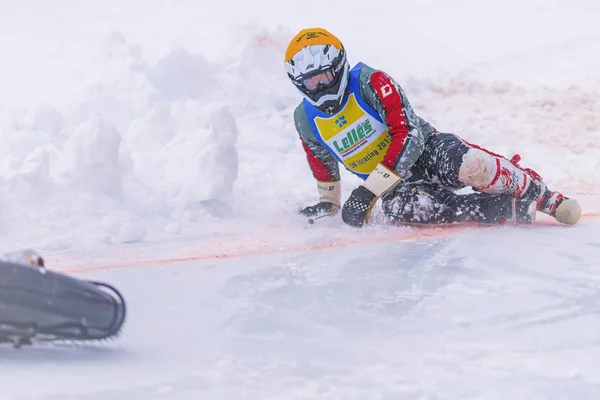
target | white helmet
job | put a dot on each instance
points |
(316, 62)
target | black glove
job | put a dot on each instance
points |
(357, 208)
(322, 208)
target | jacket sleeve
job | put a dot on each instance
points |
(322, 163)
(407, 131)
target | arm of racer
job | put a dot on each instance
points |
(407, 144)
(324, 167)
(407, 136)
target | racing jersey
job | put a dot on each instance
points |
(375, 124)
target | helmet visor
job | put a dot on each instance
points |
(320, 79)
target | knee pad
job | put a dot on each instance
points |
(496, 175)
(412, 204)
(478, 168)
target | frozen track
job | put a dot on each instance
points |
(493, 314)
(103, 121)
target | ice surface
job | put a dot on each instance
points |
(381, 314)
(150, 144)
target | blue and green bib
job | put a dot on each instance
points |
(356, 135)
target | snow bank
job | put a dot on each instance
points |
(149, 147)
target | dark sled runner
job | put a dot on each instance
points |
(38, 305)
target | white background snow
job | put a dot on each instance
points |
(150, 144)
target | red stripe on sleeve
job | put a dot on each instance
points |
(318, 167)
(395, 118)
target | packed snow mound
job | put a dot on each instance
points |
(146, 144)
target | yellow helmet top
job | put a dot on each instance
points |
(309, 37)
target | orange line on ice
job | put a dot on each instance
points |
(591, 215)
(423, 232)
(393, 237)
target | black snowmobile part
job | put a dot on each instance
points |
(40, 305)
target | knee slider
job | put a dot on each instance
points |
(478, 168)
(410, 204)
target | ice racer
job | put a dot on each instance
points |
(360, 117)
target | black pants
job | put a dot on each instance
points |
(429, 196)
